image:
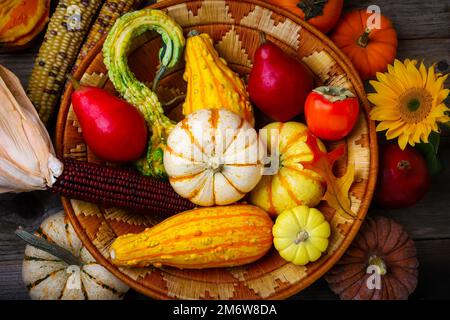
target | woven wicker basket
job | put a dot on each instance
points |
(235, 28)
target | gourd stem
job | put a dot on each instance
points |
(193, 33)
(175, 100)
(159, 74)
(262, 38)
(75, 83)
(374, 260)
(51, 248)
(363, 40)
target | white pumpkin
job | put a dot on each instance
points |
(80, 277)
(212, 157)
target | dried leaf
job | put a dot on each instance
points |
(27, 159)
(337, 194)
(339, 199)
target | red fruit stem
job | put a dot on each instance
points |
(334, 94)
(403, 165)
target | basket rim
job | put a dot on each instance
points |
(353, 77)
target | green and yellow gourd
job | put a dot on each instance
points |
(210, 237)
(115, 50)
(211, 84)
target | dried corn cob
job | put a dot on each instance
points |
(118, 187)
(66, 31)
(110, 11)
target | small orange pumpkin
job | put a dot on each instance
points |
(322, 14)
(370, 50)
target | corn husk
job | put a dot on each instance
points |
(27, 157)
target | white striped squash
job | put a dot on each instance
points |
(212, 157)
(49, 278)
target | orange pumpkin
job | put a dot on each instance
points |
(322, 14)
(370, 50)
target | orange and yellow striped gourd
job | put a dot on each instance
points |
(21, 21)
(211, 84)
(209, 237)
(294, 183)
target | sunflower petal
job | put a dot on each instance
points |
(443, 119)
(384, 113)
(382, 100)
(385, 125)
(414, 75)
(396, 85)
(438, 86)
(430, 79)
(396, 129)
(438, 111)
(384, 89)
(401, 73)
(403, 141)
(424, 74)
(443, 94)
(418, 132)
(425, 134)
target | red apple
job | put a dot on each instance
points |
(403, 177)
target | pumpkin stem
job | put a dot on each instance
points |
(363, 40)
(49, 247)
(374, 260)
(301, 236)
(215, 164)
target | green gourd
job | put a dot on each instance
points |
(115, 50)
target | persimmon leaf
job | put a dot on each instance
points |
(337, 194)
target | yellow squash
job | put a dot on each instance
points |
(301, 235)
(211, 84)
(293, 184)
(201, 238)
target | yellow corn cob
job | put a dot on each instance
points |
(66, 31)
(110, 11)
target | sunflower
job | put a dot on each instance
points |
(409, 102)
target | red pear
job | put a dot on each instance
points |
(278, 84)
(113, 129)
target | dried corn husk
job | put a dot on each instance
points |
(27, 157)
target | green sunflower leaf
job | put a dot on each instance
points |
(430, 152)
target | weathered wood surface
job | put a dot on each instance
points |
(424, 32)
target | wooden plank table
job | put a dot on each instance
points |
(424, 33)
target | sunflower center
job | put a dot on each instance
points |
(415, 104)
